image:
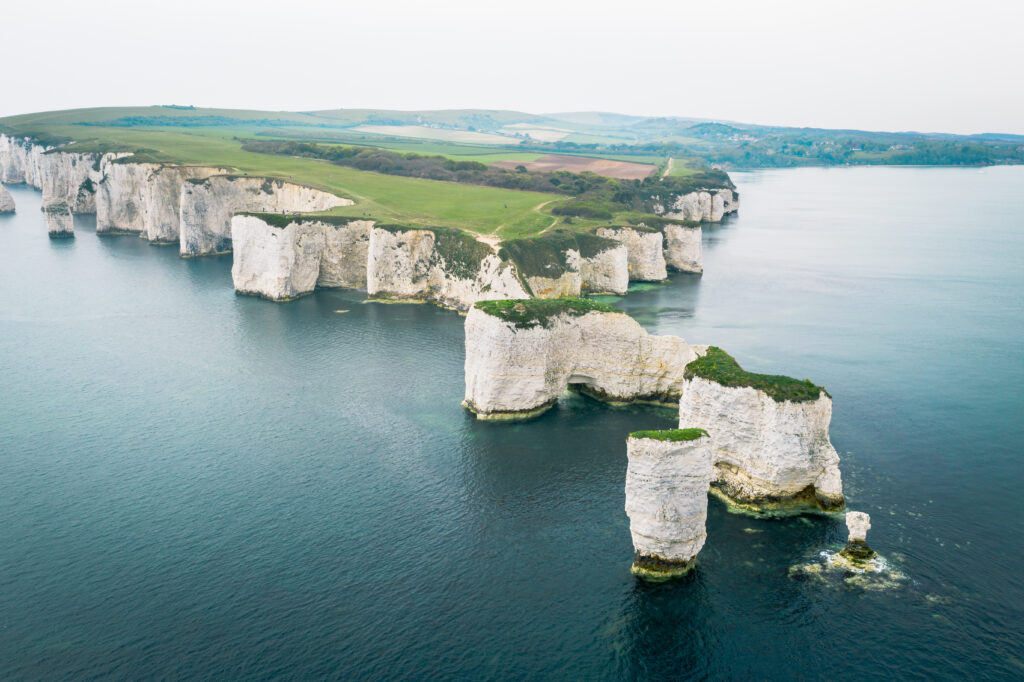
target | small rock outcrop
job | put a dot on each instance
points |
(644, 249)
(6, 201)
(667, 483)
(59, 221)
(769, 434)
(858, 524)
(442, 265)
(207, 205)
(283, 257)
(521, 355)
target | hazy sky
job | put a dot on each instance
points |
(892, 65)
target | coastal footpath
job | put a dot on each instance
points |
(281, 252)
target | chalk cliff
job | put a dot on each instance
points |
(20, 161)
(769, 435)
(667, 481)
(59, 222)
(708, 205)
(522, 355)
(644, 249)
(207, 205)
(441, 265)
(6, 201)
(121, 197)
(565, 264)
(162, 200)
(683, 250)
(858, 524)
(281, 258)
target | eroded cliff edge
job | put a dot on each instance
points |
(522, 355)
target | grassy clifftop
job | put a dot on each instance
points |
(673, 435)
(540, 312)
(721, 368)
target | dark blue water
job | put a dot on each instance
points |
(200, 485)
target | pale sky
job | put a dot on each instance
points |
(876, 65)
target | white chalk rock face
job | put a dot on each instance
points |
(567, 284)
(282, 263)
(858, 524)
(20, 161)
(71, 178)
(6, 201)
(606, 272)
(59, 221)
(516, 370)
(407, 264)
(208, 204)
(644, 252)
(667, 503)
(766, 452)
(121, 197)
(683, 250)
(162, 200)
(709, 205)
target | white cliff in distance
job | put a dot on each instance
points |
(667, 481)
(6, 201)
(522, 355)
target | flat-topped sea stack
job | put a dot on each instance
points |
(6, 201)
(59, 221)
(521, 355)
(667, 483)
(769, 433)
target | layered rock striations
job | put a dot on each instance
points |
(6, 201)
(667, 481)
(282, 257)
(207, 205)
(441, 265)
(770, 435)
(522, 355)
(161, 222)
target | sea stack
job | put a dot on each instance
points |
(667, 499)
(6, 201)
(858, 524)
(771, 444)
(521, 355)
(59, 222)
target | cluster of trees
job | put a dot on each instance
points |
(597, 196)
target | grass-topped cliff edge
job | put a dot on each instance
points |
(671, 435)
(539, 312)
(720, 367)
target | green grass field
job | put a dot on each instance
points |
(213, 137)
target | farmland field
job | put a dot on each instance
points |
(577, 164)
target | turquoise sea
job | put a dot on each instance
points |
(195, 484)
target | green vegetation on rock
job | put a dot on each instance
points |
(673, 435)
(283, 220)
(526, 313)
(544, 256)
(56, 207)
(720, 367)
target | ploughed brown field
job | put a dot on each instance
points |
(622, 170)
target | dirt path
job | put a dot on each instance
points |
(493, 234)
(668, 167)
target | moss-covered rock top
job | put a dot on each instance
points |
(544, 256)
(283, 220)
(673, 435)
(539, 312)
(56, 207)
(720, 367)
(659, 223)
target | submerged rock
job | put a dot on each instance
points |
(6, 201)
(769, 435)
(522, 355)
(855, 566)
(667, 483)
